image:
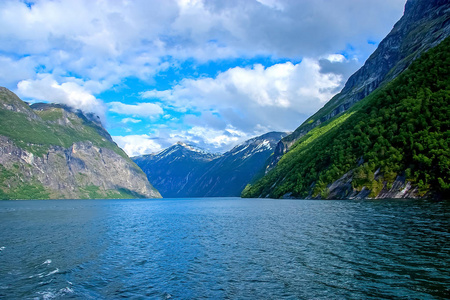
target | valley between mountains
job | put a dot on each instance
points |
(385, 135)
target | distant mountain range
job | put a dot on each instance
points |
(386, 134)
(186, 171)
(54, 151)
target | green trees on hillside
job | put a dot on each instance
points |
(402, 129)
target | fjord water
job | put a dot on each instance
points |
(224, 248)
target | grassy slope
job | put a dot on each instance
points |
(37, 135)
(402, 128)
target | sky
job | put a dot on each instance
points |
(209, 73)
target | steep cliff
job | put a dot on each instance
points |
(185, 171)
(53, 151)
(425, 24)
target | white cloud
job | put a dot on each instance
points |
(279, 96)
(103, 41)
(135, 145)
(241, 103)
(130, 120)
(107, 41)
(336, 58)
(272, 4)
(14, 70)
(138, 110)
(216, 140)
(69, 51)
(46, 88)
(204, 137)
(289, 28)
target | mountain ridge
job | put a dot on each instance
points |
(55, 151)
(179, 172)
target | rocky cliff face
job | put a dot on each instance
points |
(342, 189)
(425, 24)
(53, 151)
(185, 171)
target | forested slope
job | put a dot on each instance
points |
(393, 143)
(424, 25)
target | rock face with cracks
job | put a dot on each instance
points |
(50, 151)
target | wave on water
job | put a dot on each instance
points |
(53, 272)
(228, 248)
(62, 293)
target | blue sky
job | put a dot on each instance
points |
(210, 73)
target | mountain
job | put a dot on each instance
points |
(185, 171)
(54, 151)
(425, 24)
(174, 168)
(228, 175)
(391, 144)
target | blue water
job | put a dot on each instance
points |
(226, 248)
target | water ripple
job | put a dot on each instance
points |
(224, 249)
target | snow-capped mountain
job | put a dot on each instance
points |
(184, 170)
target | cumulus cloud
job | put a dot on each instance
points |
(137, 110)
(14, 70)
(71, 51)
(289, 28)
(102, 41)
(279, 96)
(46, 88)
(130, 120)
(111, 40)
(240, 103)
(339, 65)
(135, 145)
(204, 137)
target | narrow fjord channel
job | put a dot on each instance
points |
(224, 248)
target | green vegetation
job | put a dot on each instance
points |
(94, 192)
(12, 187)
(36, 131)
(53, 114)
(401, 129)
(124, 193)
(33, 190)
(91, 192)
(36, 136)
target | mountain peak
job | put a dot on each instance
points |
(86, 116)
(183, 170)
(191, 148)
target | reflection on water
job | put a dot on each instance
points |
(224, 248)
